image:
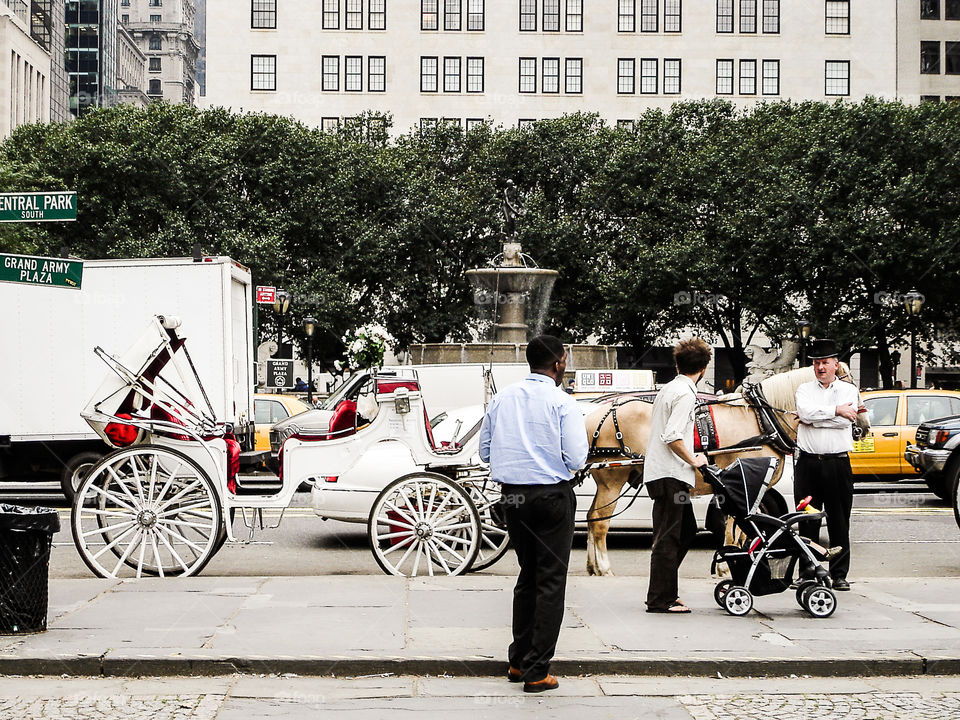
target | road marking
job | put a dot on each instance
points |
(902, 511)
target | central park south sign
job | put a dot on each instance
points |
(38, 206)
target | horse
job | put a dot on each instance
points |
(737, 420)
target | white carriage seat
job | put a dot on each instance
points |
(385, 386)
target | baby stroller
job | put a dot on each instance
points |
(774, 548)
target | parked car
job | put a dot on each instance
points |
(936, 453)
(894, 416)
(269, 409)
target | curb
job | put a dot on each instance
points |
(184, 665)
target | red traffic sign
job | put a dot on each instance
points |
(266, 294)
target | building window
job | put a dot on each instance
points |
(353, 73)
(428, 124)
(724, 77)
(155, 3)
(551, 15)
(475, 15)
(550, 80)
(156, 18)
(263, 72)
(330, 65)
(264, 14)
(837, 77)
(929, 98)
(748, 16)
(330, 124)
(451, 14)
(429, 15)
(929, 9)
(474, 74)
(671, 76)
(838, 17)
(930, 58)
(428, 74)
(649, 13)
(649, 72)
(771, 77)
(627, 16)
(528, 15)
(626, 76)
(125, 18)
(574, 16)
(377, 17)
(724, 16)
(156, 42)
(155, 88)
(525, 123)
(626, 125)
(528, 75)
(451, 74)
(771, 16)
(452, 122)
(952, 58)
(376, 73)
(573, 78)
(671, 15)
(125, 3)
(951, 10)
(331, 14)
(473, 123)
(354, 12)
(748, 77)
(155, 64)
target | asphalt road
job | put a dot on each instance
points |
(897, 530)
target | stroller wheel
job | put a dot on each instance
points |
(804, 587)
(720, 591)
(820, 602)
(738, 600)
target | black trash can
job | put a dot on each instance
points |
(26, 536)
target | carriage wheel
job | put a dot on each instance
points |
(720, 591)
(494, 539)
(738, 600)
(424, 524)
(820, 601)
(149, 509)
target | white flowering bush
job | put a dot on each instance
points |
(366, 346)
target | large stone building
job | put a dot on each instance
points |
(131, 70)
(164, 31)
(25, 70)
(513, 61)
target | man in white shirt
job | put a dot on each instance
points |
(827, 408)
(669, 466)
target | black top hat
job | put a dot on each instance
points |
(824, 348)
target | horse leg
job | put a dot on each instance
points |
(603, 506)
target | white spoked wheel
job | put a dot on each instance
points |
(738, 600)
(494, 539)
(424, 524)
(820, 601)
(146, 510)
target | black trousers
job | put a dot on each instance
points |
(829, 481)
(540, 522)
(674, 528)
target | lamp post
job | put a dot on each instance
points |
(803, 331)
(914, 304)
(309, 325)
(281, 304)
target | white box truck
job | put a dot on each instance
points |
(48, 370)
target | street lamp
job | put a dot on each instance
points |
(803, 330)
(913, 301)
(281, 304)
(309, 325)
(895, 361)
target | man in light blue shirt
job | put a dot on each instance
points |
(534, 438)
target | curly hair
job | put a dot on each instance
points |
(691, 355)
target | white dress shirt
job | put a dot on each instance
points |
(821, 430)
(672, 419)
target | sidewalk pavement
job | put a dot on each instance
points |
(349, 626)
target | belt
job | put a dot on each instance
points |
(823, 456)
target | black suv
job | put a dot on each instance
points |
(937, 455)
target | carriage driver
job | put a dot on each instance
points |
(827, 408)
(533, 437)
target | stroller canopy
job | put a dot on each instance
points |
(741, 486)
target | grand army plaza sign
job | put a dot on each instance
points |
(38, 206)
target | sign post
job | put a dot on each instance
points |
(38, 206)
(30, 270)
(280, 374)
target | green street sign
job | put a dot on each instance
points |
(29, 270)
(38, 206)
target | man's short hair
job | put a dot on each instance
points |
(691, 356)
(543, 351)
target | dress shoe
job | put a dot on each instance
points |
(841, 585)
(514, 675)
(548, 683)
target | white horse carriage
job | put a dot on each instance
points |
(164, 501)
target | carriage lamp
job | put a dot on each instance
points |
(913, 301)
(401, 400)
(309, 325)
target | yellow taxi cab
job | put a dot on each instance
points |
(894, 417)
(269, 409)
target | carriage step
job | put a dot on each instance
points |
(266, 485)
